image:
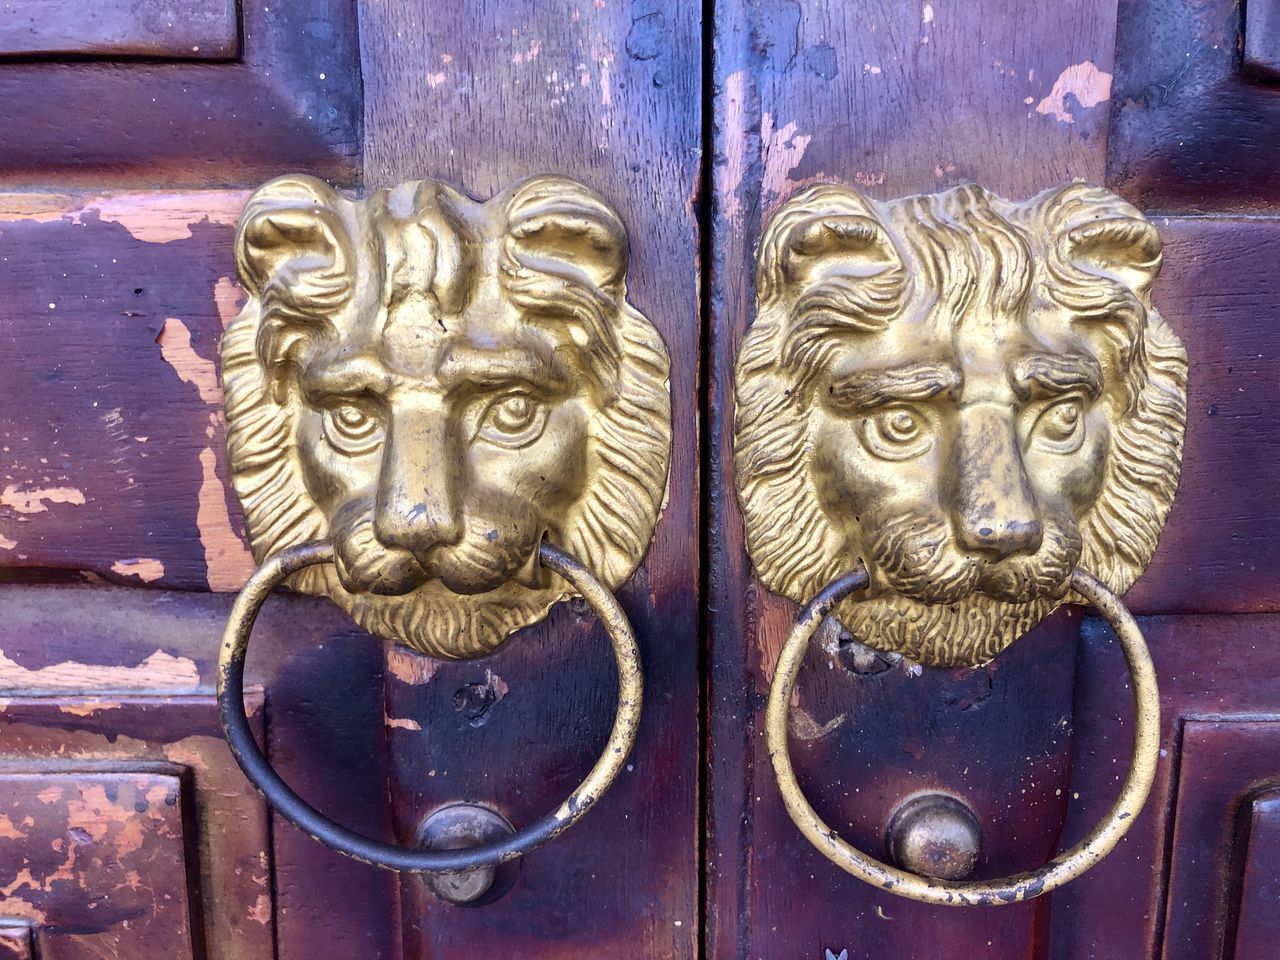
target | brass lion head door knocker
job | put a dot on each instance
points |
(953, 414)
(445, 416)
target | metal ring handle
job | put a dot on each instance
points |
(1012, 889)
(235, 725)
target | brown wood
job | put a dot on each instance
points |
(153, 653)
(1257, 921)
(167, 29)
(483, 93)
(99, 859)
(1190, 131)
(290, 101)
(1261, 52)
(1220, 686)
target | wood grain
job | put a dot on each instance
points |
(290, 101)
(190, 30)
(1257, 920)
(483, 93)
(1190, 130)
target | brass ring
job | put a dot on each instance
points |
(235, 725)
(1012, 889)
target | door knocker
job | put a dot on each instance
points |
(445, 416)
(953, 414)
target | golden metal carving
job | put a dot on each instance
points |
(971, 396)
(434, 385)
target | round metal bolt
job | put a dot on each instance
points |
(456, 827)
(935, 835)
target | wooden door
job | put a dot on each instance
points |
(126, 828)
(134, 137)
(1172, 104)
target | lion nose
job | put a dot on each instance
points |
(995, 511)
(417, 508)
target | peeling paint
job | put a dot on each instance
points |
(175, 347)
(33, 501)
(229, 297)
(402, 723)
(9, 830)
(805, 727)
(159, 671)
(1083, 81)
(731, 173)
(149, 217)
(87, 708)
(261, 912)
(228, 562)
(409, 667)
(146, 569)
(6, 543)
(782, 151)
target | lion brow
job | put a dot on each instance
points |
(1056, 373)
(868, 389)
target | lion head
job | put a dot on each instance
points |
(970, 396)
(434, 385)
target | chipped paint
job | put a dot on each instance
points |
(149, 217)
(730, 174)
(9, 830)
(402, 723)
(229, 297)
(805, 727)
(34, 500)
(228, 562)
(409, 667)
(782, 150)
(927, 15)
(159, 671)
(1088, 85)
(87, 708)
(6, 543)
(261, 911)
(176, 348)
(435, 79)
(146, 569)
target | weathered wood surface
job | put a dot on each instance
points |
(483, 93)
(167, 29)
(1257, 927)
(291, 100)
(898, 100)
(150, 655)
(99, 860)
(1190, 130)
(1170, 888)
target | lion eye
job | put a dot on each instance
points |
(513, 421)
(897, 433)
(352, 430)
(1060, 426)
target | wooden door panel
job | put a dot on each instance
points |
(150, 657)
(1173, 883)
(193, 30)
(224, 838)
(289, 98)
(101, 860)
(482, 94)
(1191, 129)
(1257, 928)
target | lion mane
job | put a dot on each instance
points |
(609, 528)
(1088, 250)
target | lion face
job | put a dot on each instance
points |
(435, 385)
(969, 396)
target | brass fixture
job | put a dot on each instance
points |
(953, 414)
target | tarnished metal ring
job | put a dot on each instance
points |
(235, 725)
(1012, 889)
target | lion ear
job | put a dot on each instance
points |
(1125, 248)
(290, 232)
(562, 228)
(824, 234)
